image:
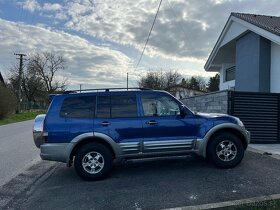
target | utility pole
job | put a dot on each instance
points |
(127, 80)
(21, 55)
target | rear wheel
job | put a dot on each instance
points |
(225, 150)
(93, 161)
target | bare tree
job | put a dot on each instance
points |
(32, 85)
(39, 76)
(172, 78)
(195, 83)
(46, 66)
(159, 80)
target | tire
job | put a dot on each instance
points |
(225, 150)
(93, 161)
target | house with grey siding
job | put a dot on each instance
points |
(247, 54)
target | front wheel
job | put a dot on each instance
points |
(93, 161)
(225, 150)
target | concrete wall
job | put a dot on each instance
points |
(252, 63)
(216, 102)
(275, 68)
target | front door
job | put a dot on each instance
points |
(164, 130)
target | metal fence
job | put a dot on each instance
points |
(34, 106)
(260, 113)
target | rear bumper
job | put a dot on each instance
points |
(55, 152)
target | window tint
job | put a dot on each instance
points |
(123, 106)
(78, 107)
(103, 107)
(159, 105)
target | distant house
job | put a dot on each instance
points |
(180, 91)
(1, 79)
(247, 54)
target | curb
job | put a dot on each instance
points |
(276, 156)
(243, 202)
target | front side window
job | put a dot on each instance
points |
(160, 105)
(78, 107)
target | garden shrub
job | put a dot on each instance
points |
(8, 102)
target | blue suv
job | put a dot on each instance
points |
(93, 128)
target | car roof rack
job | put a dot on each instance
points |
(102, 89)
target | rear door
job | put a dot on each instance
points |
(118, 117)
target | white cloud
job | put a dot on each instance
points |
(184, 34)
(51, 7)
(87, 63)
(184, 29)
(30, 5)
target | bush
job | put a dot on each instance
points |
(8, 102)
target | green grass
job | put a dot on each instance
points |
(20, 117)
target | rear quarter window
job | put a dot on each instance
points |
(78, 107)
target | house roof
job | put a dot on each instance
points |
(263, 25)
(269, 23)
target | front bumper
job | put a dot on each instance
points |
(247, 135)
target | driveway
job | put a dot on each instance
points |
(17, 149)
(156, 184)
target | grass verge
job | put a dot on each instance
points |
(20, 117)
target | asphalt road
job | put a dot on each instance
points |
(153, 184)
(17, 149)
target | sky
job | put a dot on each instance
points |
(102, 40)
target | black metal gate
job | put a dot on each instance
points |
(259, 112)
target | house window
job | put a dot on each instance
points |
(230, 74)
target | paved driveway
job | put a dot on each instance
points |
(147, 185)
(17, 149)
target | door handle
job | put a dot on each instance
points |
(152, 122)
(105, 123)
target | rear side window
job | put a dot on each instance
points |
(123, 106)
(78, 107)
(103, 107)
(116, 106)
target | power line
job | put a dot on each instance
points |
(148, 36)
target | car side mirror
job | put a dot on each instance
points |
(183, 111)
